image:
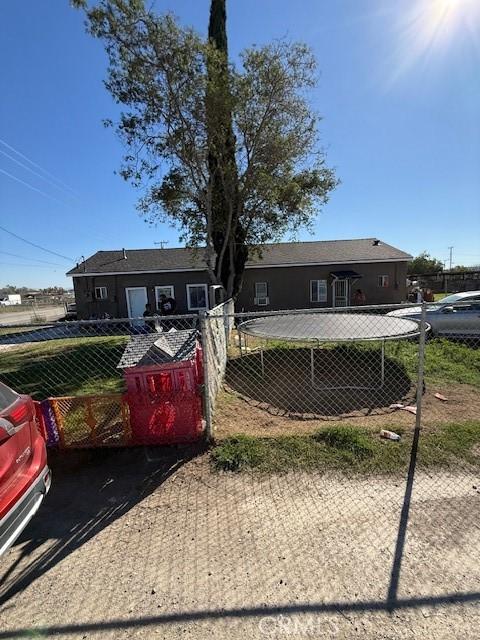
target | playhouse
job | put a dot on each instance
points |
(163, 374)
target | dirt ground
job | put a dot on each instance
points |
(261, 419)
(147, 543)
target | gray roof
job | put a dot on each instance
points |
(158, 348)
(279, 254)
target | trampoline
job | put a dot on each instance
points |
(318, 328)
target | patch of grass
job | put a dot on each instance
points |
(79, 366)
(440, 296)
(445, 361)
(348, 450)
(451, 442)
(15, 308)
(347, 439)
(240, 452)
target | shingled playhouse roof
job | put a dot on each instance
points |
(272, 255)
(159, 348)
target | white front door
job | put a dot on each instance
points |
(136, 301)
(341, 293)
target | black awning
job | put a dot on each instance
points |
(351, 275)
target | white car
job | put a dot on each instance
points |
(455, 316)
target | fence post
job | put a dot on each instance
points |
(206, 386)
(421, 365)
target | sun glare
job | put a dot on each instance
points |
(430, 27)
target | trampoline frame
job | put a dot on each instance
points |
(319, 341)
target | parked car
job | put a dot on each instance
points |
(455, 316)
(24, 474)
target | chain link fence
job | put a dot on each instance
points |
(279, 370)
(216, 328)
(363, 525)
(329, 364)
(109, 382)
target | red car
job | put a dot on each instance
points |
(24, 474)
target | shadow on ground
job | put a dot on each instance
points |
(284, 386)
(90, 490)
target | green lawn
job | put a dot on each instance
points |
(445, 361)
(348, 449)
(78, 366)
(440, 296)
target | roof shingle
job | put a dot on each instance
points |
(274, 255)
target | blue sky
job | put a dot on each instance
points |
(400, 109)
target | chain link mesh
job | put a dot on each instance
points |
(321, 377)
(89, 376)
(368, 527)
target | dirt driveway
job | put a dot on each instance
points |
(144, 544)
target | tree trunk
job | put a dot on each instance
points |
(227, 235)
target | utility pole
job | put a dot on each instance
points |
(162, 243)
(451, 252)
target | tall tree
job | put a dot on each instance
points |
(228, 237)
(229, 154)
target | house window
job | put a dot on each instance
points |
(167, 290)
(383, 281)
(318, 290)
(261, 294)
(197, 297)
(100, 293)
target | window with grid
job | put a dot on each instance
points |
(318, 290)
(261, 294)
(101, 293)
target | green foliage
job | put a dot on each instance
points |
(445, 361)
(349, 450)
(237, 453)
(424, 263)
(229, 154)
(78, 366)
(348, 439)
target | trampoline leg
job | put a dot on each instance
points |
(262, 363)
(383, 363)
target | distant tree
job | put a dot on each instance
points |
(8, 288)
(53, 290)
(462, 268)
(424, 263)
(228, 154)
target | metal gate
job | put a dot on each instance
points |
(341, 292)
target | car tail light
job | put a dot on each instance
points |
(19, 414)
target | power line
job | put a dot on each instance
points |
(37, 266)
(15, 255)
(30, 186)
(37, 246)
(22, 155)
(35, 173)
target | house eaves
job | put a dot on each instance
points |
(252, 266)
